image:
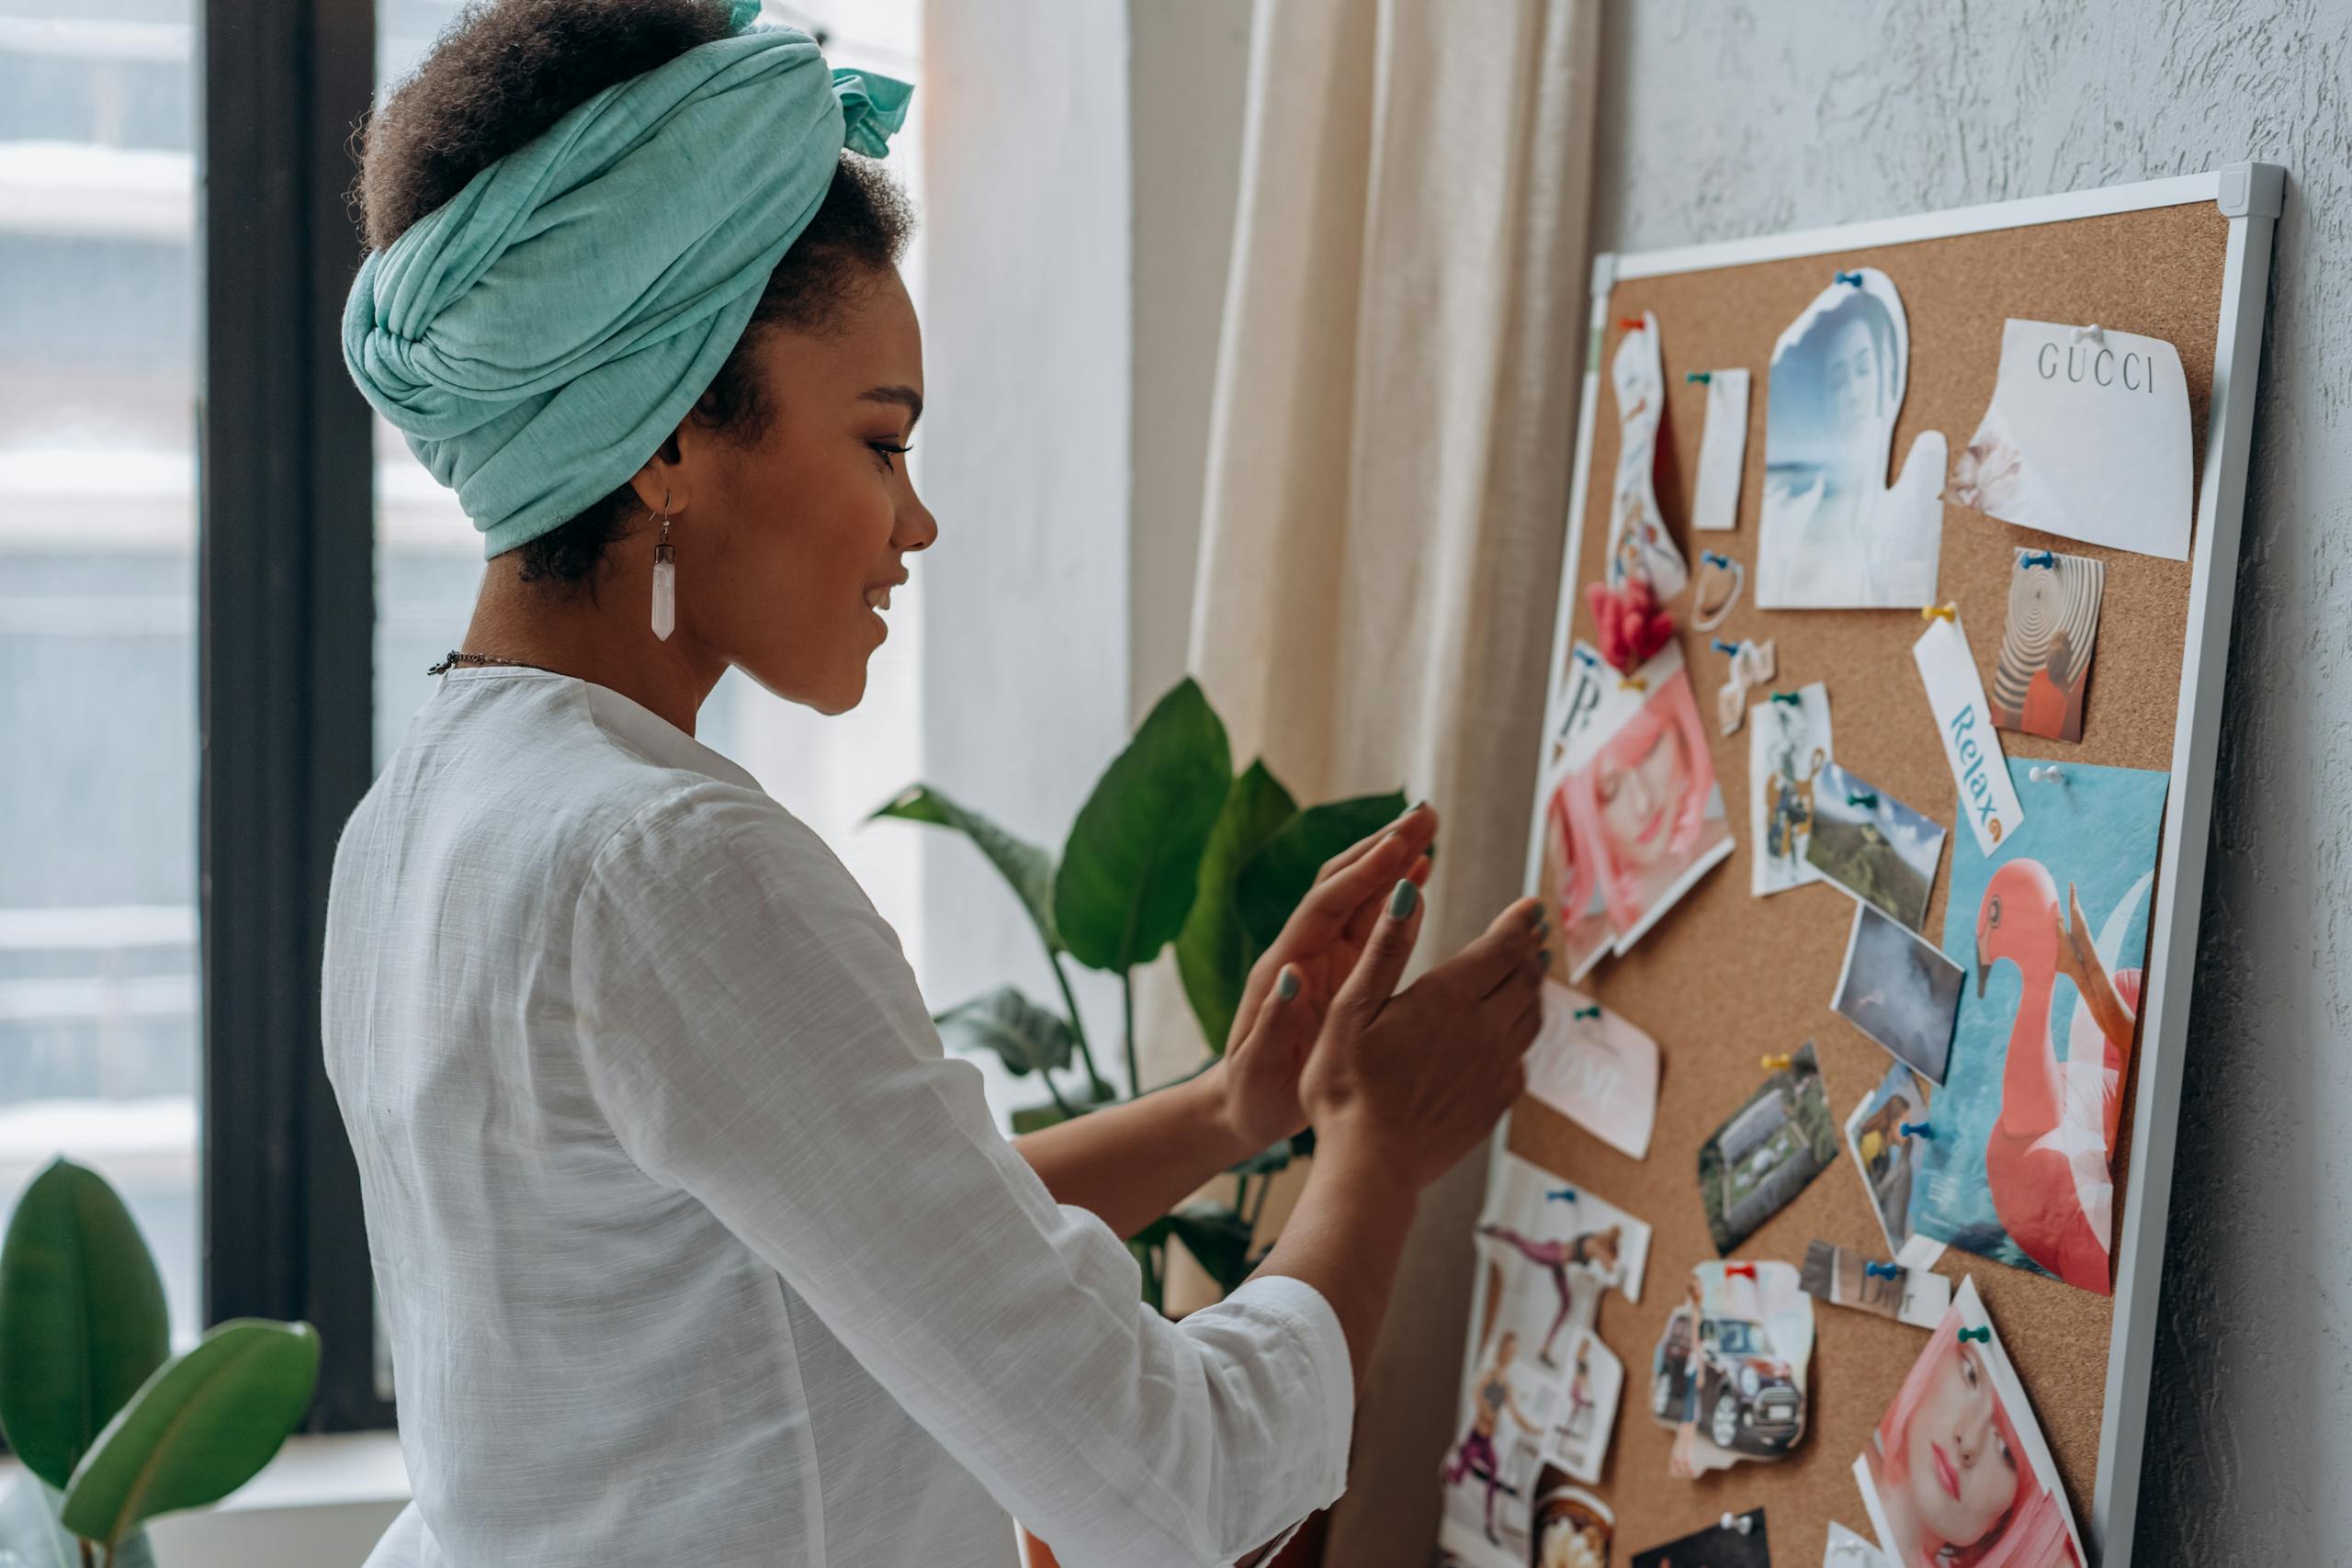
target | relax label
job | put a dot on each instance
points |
(1988, 802)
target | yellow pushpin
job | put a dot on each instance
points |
(1776, 1063)
(1940, 612)
(1633, 683)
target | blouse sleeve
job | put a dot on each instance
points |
(755, 1038)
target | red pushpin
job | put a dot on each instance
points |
(1631, 323)
(1739, 1270)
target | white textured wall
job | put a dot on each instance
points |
(1719, 120)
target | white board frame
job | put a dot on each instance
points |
(2250, 196)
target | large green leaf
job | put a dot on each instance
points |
(81, 1317)
(202, 1427)
(1213, 952)
(1277, 877)
(1133, 861)
(1030, 1038)
(1029, 870)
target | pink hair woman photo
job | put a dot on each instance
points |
(1645, 814)
(1951, 1472)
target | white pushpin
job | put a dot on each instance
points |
(2045, 773)
(2094, 331)
(1739, 1522)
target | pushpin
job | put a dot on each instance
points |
(1776, 1063)
(1853, 277)
(1702, 376)
(1719, 645)
(1882, 1271)
(1593, 1011)
(1631, 323)
(1867, 797)
(2096, 332)
(1940, 612)
(1790, 698)
(2045, 773)
(1633, 683)
(1739, 1270)
(1982, 1336)
(2039, 558)
(1586, 656)
(1715, 559)
(1561, 1195)
(1739, 1522)
(1917, 1129)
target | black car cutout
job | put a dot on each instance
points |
(1749, 1401)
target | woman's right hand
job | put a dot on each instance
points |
(1420, 1076)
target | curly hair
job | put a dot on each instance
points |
(500, 75)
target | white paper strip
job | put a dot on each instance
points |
(1988, 803)
(1722, 452)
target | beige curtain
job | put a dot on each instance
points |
(1386, 506)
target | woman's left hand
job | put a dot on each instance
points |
(1319, 944)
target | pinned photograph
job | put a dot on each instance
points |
(1873, 846)
(2052, 929)
(1595, 1068)
(1729, 1371)
(1740, 1544)
(1580, 915)
(2087, 436)
(1573, 1527)
(1639, 546)
(1539, 1386)
(2046, 652)
(1956, 1471)
(1645, 814)
(1835, 534)
(1883, 1137)
(1782, 1138)
(1896, 988)
(1788, 750)
(1579, 1441)
(1843, 1277)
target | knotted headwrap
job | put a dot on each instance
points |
(540, 336)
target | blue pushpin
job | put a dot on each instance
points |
(1702, 376)
(1790, 698)
(1719, 645)
(1561, 1195)
(1712, 558)
(2039, 558)
(1853, 277)
(1586, 656)
(1882, 1271)
(1917, 1129)
(1593, 1011)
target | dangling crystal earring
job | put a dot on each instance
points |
(665, 580)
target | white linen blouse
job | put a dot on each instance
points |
(693, 1246)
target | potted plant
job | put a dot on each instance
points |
(1171, 847)
(111, 1427)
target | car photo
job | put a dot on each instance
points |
(1749, 1399)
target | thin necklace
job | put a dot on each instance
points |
(458, 657)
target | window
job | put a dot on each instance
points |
(99, 973)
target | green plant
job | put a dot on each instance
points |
(113, 1429)
(1169, 847)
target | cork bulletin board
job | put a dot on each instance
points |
(1726, 976)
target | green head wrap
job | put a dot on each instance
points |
(540, 336)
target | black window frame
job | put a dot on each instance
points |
(285, 635)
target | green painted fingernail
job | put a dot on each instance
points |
(1286, 986)
(1401, 902)
(1544, 958)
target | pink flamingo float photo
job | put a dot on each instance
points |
(2049, 1159)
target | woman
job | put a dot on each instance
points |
(1954, 1484)
(1475, 1455)
(691, 1245)
(1595, 1251)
